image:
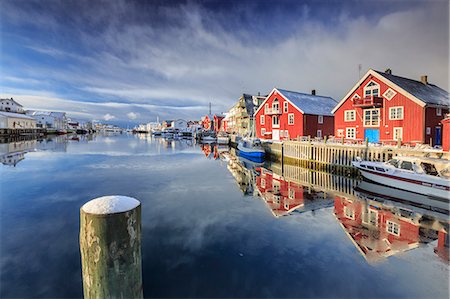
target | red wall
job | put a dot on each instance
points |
(412, 123)
(304, 125)
(446, 134)
(432, 120)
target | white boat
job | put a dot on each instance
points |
(208, 139)
(413, 174)
(251, 149)
(223, 139)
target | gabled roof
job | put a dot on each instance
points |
(15, 115)
(11, 100)
(306, 103)
(420, 93)
(428, 93)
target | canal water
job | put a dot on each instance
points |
(213, 225)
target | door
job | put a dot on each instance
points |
(276, 135)
(372, 134)
(438, 136)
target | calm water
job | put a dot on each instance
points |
(212, 227)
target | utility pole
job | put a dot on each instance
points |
(209, 108)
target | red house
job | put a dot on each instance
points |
(385, 108)
(212, 122)
(446, 133)
(287, 114)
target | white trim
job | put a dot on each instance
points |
(346, 132)
(364, 118)
(387, 91)
(428, 130)
(319, 133)
(400, 129)
(320, 119)
(356, 96)
(371, 88)
(273, 124)
(350, 215)
(279, 93)
(285, 107)
(393, 225)
(261, 119)
(396, 107)
(385, 81)
(345, 115)
(438, 111)
(263, 131)
(289, 119)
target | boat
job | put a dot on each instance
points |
(222, 138)
(156, 133)
(414, 174)
(208, 139)
(251, 149)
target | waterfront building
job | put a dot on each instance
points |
(13, 152)
(446, 133)
(179, 124)
(10, 120)
(288, 114)
(383, 107)
(49, 120)
(212, 122)
(379, 231)
(239, 119)
(167, 124)
(9, 105)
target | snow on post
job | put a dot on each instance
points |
(110, 245)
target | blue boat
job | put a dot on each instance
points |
(251, 149)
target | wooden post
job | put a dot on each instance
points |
(342, 140)
(399, 143)
(110, 245)
(367, 148)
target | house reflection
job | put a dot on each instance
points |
(380, 229)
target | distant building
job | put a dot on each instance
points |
(239, 119)
(446, 133)
(9, 105)
(49, 120)
(288, 114)
(10, 120)
(212, 122)
(180, 124)
(386, 108)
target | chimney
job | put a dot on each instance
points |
(313, 92)
(424, 79)
(388, 71)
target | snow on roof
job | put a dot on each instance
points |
(110, 205)
(11, 100)
(15, 115)
(310, 104)
(428, 93)
(47, 113)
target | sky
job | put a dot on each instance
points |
(127, 62)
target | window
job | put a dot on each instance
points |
(266, 108)
(349, 213)
(291, 193)
(263, 131)
(393, 228)
(438, 111)
(340, 133)
(261, 119)
(263, 183)
(356, 96)
(371, 118)
(406, 165)
(275, 105)
(398, 133)
(285, 105)
(350, 133)
(275, 122)
(371, 89)
(428, 130)
(320, 119)
(371, 217)
(389, 94)
(349, 115)
(319, 133)
(291, 118)
(396, 113)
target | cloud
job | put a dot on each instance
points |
(175, 59)
(108, 116)
(132, 115)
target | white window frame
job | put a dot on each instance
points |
(389, 94)
(367, 219)
(277, 104)
(266, 108)
(263, 131)
(356, 96)
(348, 113)
(390, 225)
(273, 121)
(319, 133)
(291, 193)
(438, 111)
(340, 133)
(371, 89)
(370, 125)
(285, 107)
(347, 130)
(348, 215)
(428, 130)
(263, 183)
(261, 119)
(289, 119)
(396, 109)
(395, 135)
(320, 119)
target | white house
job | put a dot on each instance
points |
(180, 124)
(49, 120)
(10, 120)
(9, 105)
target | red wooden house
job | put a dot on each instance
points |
(385, 108)
(446, 133)
(212, 122)
(287, 114)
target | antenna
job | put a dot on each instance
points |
(209, 108)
